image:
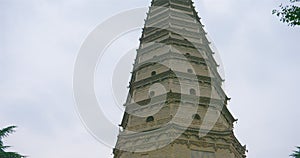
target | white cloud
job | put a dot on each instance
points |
(219, 7)
(39, 46)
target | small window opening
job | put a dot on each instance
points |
(193, 91)
(153, 73)
(190, 71)
(150, 119)
(152, 93)
(196, 117)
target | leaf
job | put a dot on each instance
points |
(10, 155)
(6, 131)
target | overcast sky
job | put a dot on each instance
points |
(40, 39)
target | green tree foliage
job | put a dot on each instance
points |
(296, 154)
(289, 13)
(4, 133)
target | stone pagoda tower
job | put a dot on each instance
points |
(176, 107)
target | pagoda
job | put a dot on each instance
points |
(176, 107)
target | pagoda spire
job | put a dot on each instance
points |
(176, 106)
